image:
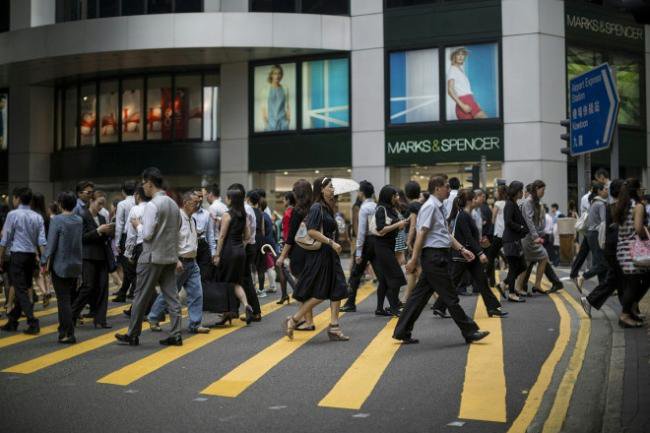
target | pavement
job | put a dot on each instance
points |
(544, 368)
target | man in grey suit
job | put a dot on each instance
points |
(157, 263)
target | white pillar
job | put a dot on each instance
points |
(30, 138)
(534, 94)
(233, 121)
(233, 5)
(367, 63)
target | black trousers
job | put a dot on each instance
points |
(358, 269)
(583, 252)
(389, 273)
(492, 254)
(434, 278)
(204, 259)
(479, 281)
(636, 287)
(249, 287)
(93, 290)
(516, 265)
(613, 281)
(128, 268)
(65, 289)
(21, 272)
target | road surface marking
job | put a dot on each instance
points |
(536, 392)
(37, 314)
(358, 382)
(149, 364)
(564, 392)
(47, 330)
(247, 373)
(484, 390)
(75, 350)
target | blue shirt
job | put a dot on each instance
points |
(205, 228)
(79, 208)
(64, 245)
(24, 231)
(432, 218)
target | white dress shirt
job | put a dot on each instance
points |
(449, 202)
(133, 235)
(122, 214)
(188, 237)
(251, 222)
(366, 210)
(217, 210)
(205, 228)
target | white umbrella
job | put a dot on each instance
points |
(342, 186)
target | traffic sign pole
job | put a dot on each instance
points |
(613, 156)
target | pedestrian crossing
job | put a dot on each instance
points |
(482, 397)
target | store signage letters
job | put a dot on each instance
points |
(444, 145)
(603, 27)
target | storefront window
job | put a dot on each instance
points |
(4, 111)
(275, 97)
(414, 86)
(132, 123)
(70, 118)
(4, 15)
(188, 6)
(159, 108)
(404, 3)
(187, 107)
(108, 109)
(210, 107)
(159, 6)
(88, 114)
(132, 7)
(325, 7)
(325, 94)
(68, 10)
(273, 6)
(109, 8)
(472, 82)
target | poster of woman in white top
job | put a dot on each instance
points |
(472, 82)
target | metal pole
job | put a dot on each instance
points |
(483, 172)
(581, 177)
(613, 157)
(587, 172)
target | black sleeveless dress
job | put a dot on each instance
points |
(322, 276)
(232, 265)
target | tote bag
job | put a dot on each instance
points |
(640, 251)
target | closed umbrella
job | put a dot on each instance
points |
(342, 186)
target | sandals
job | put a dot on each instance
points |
(335, 334)
(288, 325)
(300, 327)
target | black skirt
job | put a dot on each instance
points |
(297, 260)
(232, 265)
(385, 263)
(322, 277)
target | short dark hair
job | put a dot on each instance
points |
(83, 185)
(615, 187)
(454, 183)
(412, 190)
(288, 196)
(24, 194)
(555, 206)
(129, 187)
(214, 189)
(239, 187)
(366, 188)
(261, 192)
(67, 200)
(601, 172)
(514, 188)
(254, 197)
(153, 175)
(436, 182)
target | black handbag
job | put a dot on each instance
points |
(219, 297)
(110, 257)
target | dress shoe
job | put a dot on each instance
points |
(283, 300)
(629, 323)
(126, 338)
(172, 341)
(349, 308)
(382, 313)
(119, 298)
(556, 287)
(68, 340)
(222, 322)
(127, 313)
(441, 314)
(586, 305)
(497, 313)
(516, 299)
(9, 327)
(102, 325)
(200, 330)
(476, 336)
(32, 330)
(154, 326)
(409, 340)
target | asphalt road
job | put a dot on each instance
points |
(253, 379)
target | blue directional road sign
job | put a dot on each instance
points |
(594, 110)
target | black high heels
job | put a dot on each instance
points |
(226, 318)
(283, 300)
(249, 314)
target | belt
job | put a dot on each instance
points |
(187, 259)
(436, 250)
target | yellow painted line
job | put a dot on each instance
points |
(484, 390)
(37, 314)
(536, 393)
(73, 351)
(560, 406)
(358, 382)
(46, 330)
(137, 370)
(247, 373)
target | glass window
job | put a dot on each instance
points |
(273, 5)
(275, 97)
(472, 82)
(132, 7)
(59, 120)
(159, 6)
(210, 108)
(627, 70)
(132, 127)
(187, 107)
(89, 9)
(109, 8)
(326, 7)
(70, 118)
(188, 6)
(4, 15)
(325, 94)
(68, 10)
(88, 114)
(403, 3)
(414, 86)
(108, 109)
(4, 111)
(159, 108)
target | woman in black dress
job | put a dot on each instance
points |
(514, 231)
(389, 273)
(322, 277)
(231, 254)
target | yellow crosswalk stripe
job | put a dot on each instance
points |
(73, 351)
(50, 329)
(484, 390)
(358, 382)
(37, 314)
(151, 363)
(247, 373)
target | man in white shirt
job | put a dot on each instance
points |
(454, 184)
(121, 227)
(188, 274)
(217, 208)
(133, 243)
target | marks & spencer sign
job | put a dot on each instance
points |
(596, 24)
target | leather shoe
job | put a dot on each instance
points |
(126, 338)
(32, 330)
(200, 330)
(383, 313)
(441, 314)
(410, 340)
(68, 340)
(9, 327)
(476, 336)
(497, 313)
(556, 287)
(119, 298)
(172, 341)
(349, 308)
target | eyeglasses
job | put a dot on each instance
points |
(89, 192)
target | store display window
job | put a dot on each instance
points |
(325, 94)
(414, 86)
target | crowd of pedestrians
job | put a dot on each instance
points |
(446, 241)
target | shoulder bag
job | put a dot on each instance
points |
(303, 239)
(372, 222)
(640, 250)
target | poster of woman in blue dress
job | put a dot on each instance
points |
(275, 97)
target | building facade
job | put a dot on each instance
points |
(264, 92)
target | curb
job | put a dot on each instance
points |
(615, 372)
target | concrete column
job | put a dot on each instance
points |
(30, 138)
(32, 13)
(234, 5)
(367, 71)
(534, 94)
(233, 121)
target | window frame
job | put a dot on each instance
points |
(298, 9)
(83, 14)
